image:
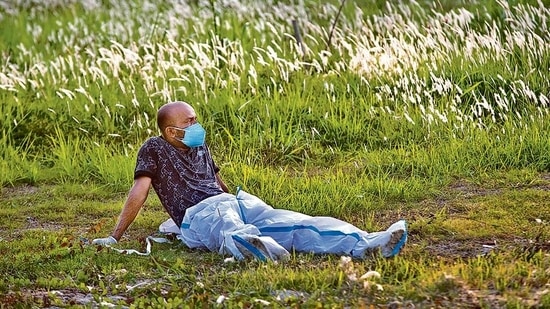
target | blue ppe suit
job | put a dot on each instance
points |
(243, 225)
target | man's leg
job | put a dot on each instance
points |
(217, 224)
(319, 234)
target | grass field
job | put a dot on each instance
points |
(368, 111)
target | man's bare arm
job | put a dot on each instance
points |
(136, 198)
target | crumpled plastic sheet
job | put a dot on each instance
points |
(147, 249)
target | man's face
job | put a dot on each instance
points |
(184, 124)
(182, 119)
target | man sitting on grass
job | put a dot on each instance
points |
(179, 166)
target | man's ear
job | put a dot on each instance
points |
(168, 132)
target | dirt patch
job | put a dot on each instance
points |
(461, 249)
(10, 192)
(544, 184)
(71, 297)
(471, 248)
(468, 190)
(34, 224)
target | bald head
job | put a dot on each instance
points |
(173, 113)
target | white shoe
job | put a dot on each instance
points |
(261, 247)
(397, 239)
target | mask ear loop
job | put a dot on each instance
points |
(177, 129)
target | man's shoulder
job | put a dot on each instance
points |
(154, 140)
(152, 143)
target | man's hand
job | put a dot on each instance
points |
(104, 241)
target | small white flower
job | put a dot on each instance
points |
(370, 274)
(220, 299)
(344, 260)
(352, 277)
(121, 271)
(367, 285)
(538, 220)
(107, 304)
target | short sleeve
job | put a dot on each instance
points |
(214, 165)
(147, 161)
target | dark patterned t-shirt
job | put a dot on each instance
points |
(180, 179)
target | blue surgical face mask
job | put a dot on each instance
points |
(194, 136)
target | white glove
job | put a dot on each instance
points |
(104, 241)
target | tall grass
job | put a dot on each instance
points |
(407, 91)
